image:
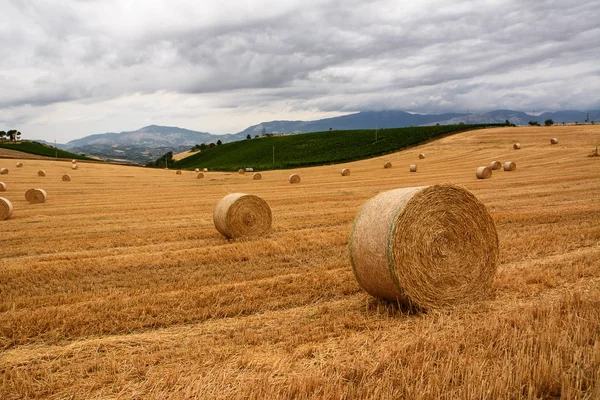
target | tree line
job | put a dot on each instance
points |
(12, 135)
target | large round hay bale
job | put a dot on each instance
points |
(199, 175)
(241, 171)
(2, 187)
(421, 156)
(240, 214)
(74, 166)
(178, 172)
(516, 146)
(294, 178)
(495, 165)
(3, 171)
(66, 178)
(257, 176)
(429, 246)
(19, 164)
(197, 170)
(36, 196)
(387, 165)
(413, 168)
(205, 169)
(554, 140)
(345, 172)
(483, 173)
(73, 161)
(510, 166)
(41, 172)
(6, 209)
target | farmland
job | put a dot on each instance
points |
(119, 286)
(40, 149)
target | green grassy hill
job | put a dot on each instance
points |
(41, 150)
(316, 148)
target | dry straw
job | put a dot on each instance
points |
(3, 171)
(257, 176)
(2, 187)
(430, 246)
(199, 175)
(516, 146)
(510, 166)
(6, 209)
(178, 172)
(387, 165)
(554, 140)
(41, 172)
(36, 196)
(66, 178)
(421, 156)
(19, 164)
(483, 173)
(240, 214)
(249, 169)
(241, 171)
(294, 178)
(74, 166)
(345, 172)
(495, 165)
(413, 167)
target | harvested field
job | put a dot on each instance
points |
(108, 290)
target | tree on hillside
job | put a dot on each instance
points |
(18, 135)
(2, 135)
(548, 122)
(11, 134)
(248, 136)
(534, 123)
(219, 142)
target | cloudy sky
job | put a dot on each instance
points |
(70, 68)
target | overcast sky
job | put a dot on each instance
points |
(70, 68)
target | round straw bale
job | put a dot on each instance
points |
(554, 140)
(494, 165)
(73, 166)
(240, 214)
(6, 209)
(2, 187)
(257, 176)
(429, 246)
(413, 168)
(294, 178)
(199, 175)
(178, 172)
(510, 166)
(483, 173)
(74, 161)
(197, 170)
(3, 171)
(36, 196)
(516, 146)
(19, 164)
(387, 165)
(66, 178)
(241, 171)
(41, 172)
(345, 172)
(421, 156)
(205, 169)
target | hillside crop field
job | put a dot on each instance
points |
(119, 286)
(40, 149)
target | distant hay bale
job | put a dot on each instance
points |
(495, 165)
(19, 164)
(429, 246)
(345, 172)
(240, 214)
(483, 173)
(36, 196)
(257, 176)
(241, 171)
(205, 169)
(413, 168)
(66, 178)
(294, 178)
(510, 166)
(199, 175)
(41, 172)
(554, 140)
(387, 165)
(421, 156)
(6, 209)
(178, 172)
(74, 161)
(197, 170)
(516, 146)
(3, 171)
(74, 166)
(249, 169)
(2, 187)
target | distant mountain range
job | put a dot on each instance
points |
(148, 143)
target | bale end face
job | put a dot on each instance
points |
(294, 178)
(554, 141)
(242, 215)
(483, 173)
(509, 166)
(387, 165)
(345, 172)
(495, 165)
(6, 209)
(413, 168)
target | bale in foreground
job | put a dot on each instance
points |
(240, 214)
(483, 173)
(429, 246)
(36, 196)
(6, 209)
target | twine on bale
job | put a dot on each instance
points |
(516, 146)
(510, 166)
(345, 172)
(421, 156)
(19, 164)
(483, 173)
(413, 168)
(6, 209)
(429, 246)
(294, 178)
(199, 175)
(241, 171)
(554, 140)
(257, 176)
(41, 172)
(238, 214)
(2, 187)
(387, 165)
(3, 171)
(66, 178)
(495, 165)
(36, 196)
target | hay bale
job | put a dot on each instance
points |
(73, 161)
(241, 171)
(19, 164)
(387, 165)
(36, 196)
(74, 166)
(6, 209)
(257, 176)
(495, 165)
(249, 169)
(428, 246)
(199, 175)
(205, 169)
(413, 168)
(41, 172)
(3, 171)
(554, 140)
(516, 146)
(197, 170)
(421, 156)
(240, 214)
(483, 173)
(66, 178)
(2, 187)
(178, 172)
(345, 172)
(294, 178)
(510, 166)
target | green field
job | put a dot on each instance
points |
(318, 148)
(42, 150)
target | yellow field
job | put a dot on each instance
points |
(120, 286)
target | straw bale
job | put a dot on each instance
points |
(73, 161)
(510, 166)
(74, 166)
(197, 170)
(2, 187)
(66, 178)
(19, 164)
(36, 196)
(554, 140)
(241, 171)
(257, 176)
(429, 246)
(413, 167)
(294, 178)
(178, 172)
(3, 171)
(421, 156)
(495, 165)
(516, 146)
(205, 169)
(239, 214)
(345, 172)
(483, 173)
(249, 169)
(387, 165)
(6, 209)
(199, 175)
(41, 172)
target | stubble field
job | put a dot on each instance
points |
(119, 286)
